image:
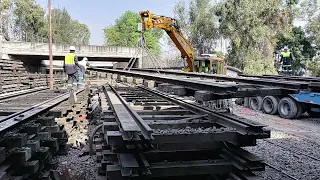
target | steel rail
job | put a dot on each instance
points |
(20, 93)
(266, 82)
(290, 78)
(25, 114)
(201, 85)
(145, 128)
(179, 159)
(243, 126)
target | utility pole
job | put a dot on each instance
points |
(50, 47)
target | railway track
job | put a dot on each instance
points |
(268, 95)
(146, 132)
(18, 102)
(29, 135)
(16, 94)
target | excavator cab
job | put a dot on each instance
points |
(209, 64)
(203, 64)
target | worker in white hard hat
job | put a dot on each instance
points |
(71, 66)
(81, 71)
(286, 60)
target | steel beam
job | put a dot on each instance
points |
(130, 121)
(115, 137)
(166, 124)
(187, 168)
(291, 78)
(125, 119)
(215, 87)
(163, 112)
(266, 82)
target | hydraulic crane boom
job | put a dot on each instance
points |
(172, 28)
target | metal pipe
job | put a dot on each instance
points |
(50, 46)
(91, 138)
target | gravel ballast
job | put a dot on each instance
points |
(190, 130)
(294, 146)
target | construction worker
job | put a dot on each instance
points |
(71, 66)
(302, 71)
(81, 71)
(286, 60)
(206, 69)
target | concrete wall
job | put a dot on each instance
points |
(42, 49)
(120, 65)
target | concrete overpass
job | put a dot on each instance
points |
(31, 51)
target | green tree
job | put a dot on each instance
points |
(124, 33)
(30, 21)
(313, 28)
(198, 23)
(81, 33)
(253, 27)
(300, 46)
(312, 8)
(5, 6)
(68, 31)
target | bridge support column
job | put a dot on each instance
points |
(1, 48)
(3, 55)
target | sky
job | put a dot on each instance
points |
(98, 14)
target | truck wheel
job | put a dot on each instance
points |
(301, 109)
(239, 101)
(255, 103)
(287, 108)
(270, 105)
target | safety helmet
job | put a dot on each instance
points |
(86, 59)
(72, 48)
(286, 47)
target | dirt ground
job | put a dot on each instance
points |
(293, 151)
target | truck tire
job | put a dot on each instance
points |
(239, 101)
(300, 110)
(255, 103)
(270, 105)
(287, 108)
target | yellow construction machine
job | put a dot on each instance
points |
(207, 63)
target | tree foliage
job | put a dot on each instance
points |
(30, 21)
(313, 30)
(198, 23)
(300, 45)
(253, 27)
(27, 21)
(67, 30)
(124, 33)
(5, 6)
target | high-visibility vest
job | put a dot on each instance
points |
(69, 58)
(285, 54)
(206, 69)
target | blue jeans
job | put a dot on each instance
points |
(80, 79)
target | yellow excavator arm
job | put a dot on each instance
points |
(172, 28)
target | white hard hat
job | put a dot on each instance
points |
(72, 48)
(286, 47)
(86, 59)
